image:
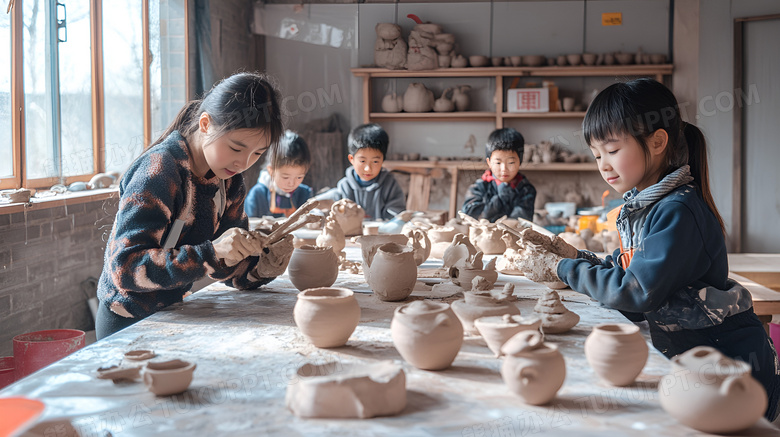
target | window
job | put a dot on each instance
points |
(75, 69)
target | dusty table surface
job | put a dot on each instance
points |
(247, 349)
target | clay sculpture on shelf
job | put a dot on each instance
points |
(712, 393)
(332, 236)
(347, 390)
(532, 369)
(313, 267)
(556, 318)
(496, 330)
(481, 303)
(326, 316)
(616, 352)
(390, 47)
(168, 377)
(427, 334)
(418, 98)
(460, 97)
(350, 216)
(443, 104)
(391, 271)
(392, 103)
(459, 61)
(422, 55)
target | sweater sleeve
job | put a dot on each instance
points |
(475, 200)
(395, 201)
(671, 256)
(256, 204)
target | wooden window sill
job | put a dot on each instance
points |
(68, 198)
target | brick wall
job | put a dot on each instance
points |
(45, 255)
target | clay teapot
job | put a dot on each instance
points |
(487, 238)
(712, 393)
(533, 369)
(392, 271)
(313, 267)
(417, 98)
(427, 334)
(392, 103)
(460, 97)
(168, 377)
(443, 104)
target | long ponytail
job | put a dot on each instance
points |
(184, 122)
(697, 160)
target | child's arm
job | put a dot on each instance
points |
(256, 204)
(474, 203)
(671, 256)
(395, 202)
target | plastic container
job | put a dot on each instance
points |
(561, 209)
(36, 350)
(7, 372)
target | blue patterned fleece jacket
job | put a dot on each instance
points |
(159, 188)
(678, 275)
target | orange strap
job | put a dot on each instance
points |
(625, 257)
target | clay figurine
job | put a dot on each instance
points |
(332, 236)
(347, 390)
(532, 369)
(168, 377)
(422, 55)
(427, 334)
(616, 352)
(350, 216)
(459, 61)
(420, 244)
(326, 316)
(556, 318)
(390, 47)
(313, 267)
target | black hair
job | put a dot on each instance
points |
(639, 108)
(505, 139)
(368, 136)
(292, 151)
(241, 101)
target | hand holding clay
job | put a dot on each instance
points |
(555, 244)
(233, 246)
(274, 258)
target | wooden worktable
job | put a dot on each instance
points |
(247, 349)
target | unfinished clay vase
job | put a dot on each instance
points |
(327, 316)
(392, 103)
(496, 330)
(368, 244)
(616, 352)
(427, 334)
(444, 104)
(465, 276)
(420, 244)
(556, 318)
(487, 238)
(417, 98)
(313, 267)
(347, 390)
(532, 369)
(350, 216)
(393, 271)
(332, 236)
(712, 393)
(168, 377)
(481, 304)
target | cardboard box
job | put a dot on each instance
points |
(528, 100)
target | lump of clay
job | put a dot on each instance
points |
(348, 390)
(390, 47)
(350, 216)
(556, 318)
(118, 374)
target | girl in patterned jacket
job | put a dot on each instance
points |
(672, 267)
(181, 211)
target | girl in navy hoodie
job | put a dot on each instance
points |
(671, 269)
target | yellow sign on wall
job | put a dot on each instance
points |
(612, 19)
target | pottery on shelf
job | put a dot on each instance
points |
(496, 330)
(327, 316)
(516, 60)
(332, 236)
(347, 390)
(313, 267)
(390, 47)
(533, 60)
(478, 60)
(392, 271)
(574, 59)
(624, 58)
(532, 369)
(459, 61)
(460, 97)
(616, 352)
(168, 377)
(475, 305)
(444, 104)
(496, 61)
(712, 393)
(556, 318)
(350, 216)
(589, 58)
(427, 334)
(392, 103)
(441, 234)
(422, 54)
(418, 98)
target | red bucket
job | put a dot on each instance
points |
(36, 350)
(7, 376)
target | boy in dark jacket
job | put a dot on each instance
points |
(366, 182)
(502, 190)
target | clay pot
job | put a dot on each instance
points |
(624, 58)
(476, 305)
(443, 104)
(313, 267)
(487, 239)
(168, 377)
(441, 234)
(392, 103)
(574, 59)
(460, 97)
(556, 318)
(568, 104)
(368, 244)
(327, 316)
(516, 60)
(478, 60)
(332, 236)
(496, 330)
(393, 271)
(347, 390)
(561, 61)
(427, 334)
(616, 352)
(609, 59)
(444, 61)
(532, 369)
(459, 62)
(589, 58)
(464, 276)
(712, 393)
(496, 61)
(417, 98)
(533, 60)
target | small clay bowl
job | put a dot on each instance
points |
(168, 377)
(589, 58)
(574, 59)
(140, 355)
(533, 60)
(478, 60)
(624, 58)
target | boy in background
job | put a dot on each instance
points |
(366, 182)
(502, 190)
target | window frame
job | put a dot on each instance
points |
(19, 178)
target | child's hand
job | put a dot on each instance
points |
(233, 246)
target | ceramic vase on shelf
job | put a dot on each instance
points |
(616, 352)
(712, 393)
(532, 369)
(313, 267)
(427, 334)
(327, 316)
